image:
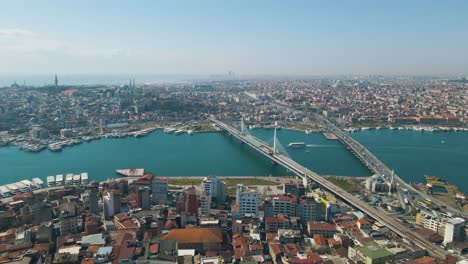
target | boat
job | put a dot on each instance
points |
(84, 178)
(59, 180)
(22, 187)
(308, 132)
(296, 145)
(56, 147)
(38, 183)
(68, 179)
(28, 183)
(131, 172)
(13, 188)
(140, 134)
(178, 132)
(5, 192)
(50, 181)
(76, 179)
(190, 132)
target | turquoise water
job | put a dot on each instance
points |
(412, 154)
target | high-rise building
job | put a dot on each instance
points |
(309, 209)
(159, 189)
(191, 201)
(90, 200)
(454, 230)
(284, 204)
(205, 203)
(215, 188)
(56, 82)
(247, 200)
(68, 218)
(112, 200)
(143, 198)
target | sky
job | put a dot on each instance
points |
(306, 38)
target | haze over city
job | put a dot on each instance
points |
(296, 38)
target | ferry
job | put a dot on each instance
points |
(296, 145)
(68, 179)
(131, 172)
(59, 180)
(140, 134)
(38, 183)
(76, 179)
(13, 188)
(28, 183)
(50, 181)
(22, 187)
(84, 178)
(56, 147)
(178, 132)
(5, 192)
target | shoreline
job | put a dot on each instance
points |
(32, 147)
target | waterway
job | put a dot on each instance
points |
(412, 154)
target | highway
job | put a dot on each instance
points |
(306, 174)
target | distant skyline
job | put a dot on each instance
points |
(296, 38)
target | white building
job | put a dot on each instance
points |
(112, 203)
(215, 188)
(247, 199)
(205, 203)
(454, 230)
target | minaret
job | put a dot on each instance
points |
(56, 82)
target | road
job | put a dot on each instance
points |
(307, 174)
(377, 166)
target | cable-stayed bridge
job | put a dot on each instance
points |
(272, 153)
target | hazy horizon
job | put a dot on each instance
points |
(249, 38)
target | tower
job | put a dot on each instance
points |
(56, 82)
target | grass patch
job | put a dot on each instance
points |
(185, 181)
(344, 184)
(234, 181)
(230, 182)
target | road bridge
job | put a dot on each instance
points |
(377, 166)
(306, 174)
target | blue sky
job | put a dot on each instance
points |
(247, 37)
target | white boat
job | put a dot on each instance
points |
(68, 179)
(84, 178)
(50, 181)
(59, 180)
(22, 187)
(13, 188)
(76, 179)
(178, 132)
(308, 132)
(5, 192)
(190, 132)
(38, 183)
(296, 145)
(28, 183)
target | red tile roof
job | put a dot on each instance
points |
(195, 235)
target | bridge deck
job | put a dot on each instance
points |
(305, 173)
